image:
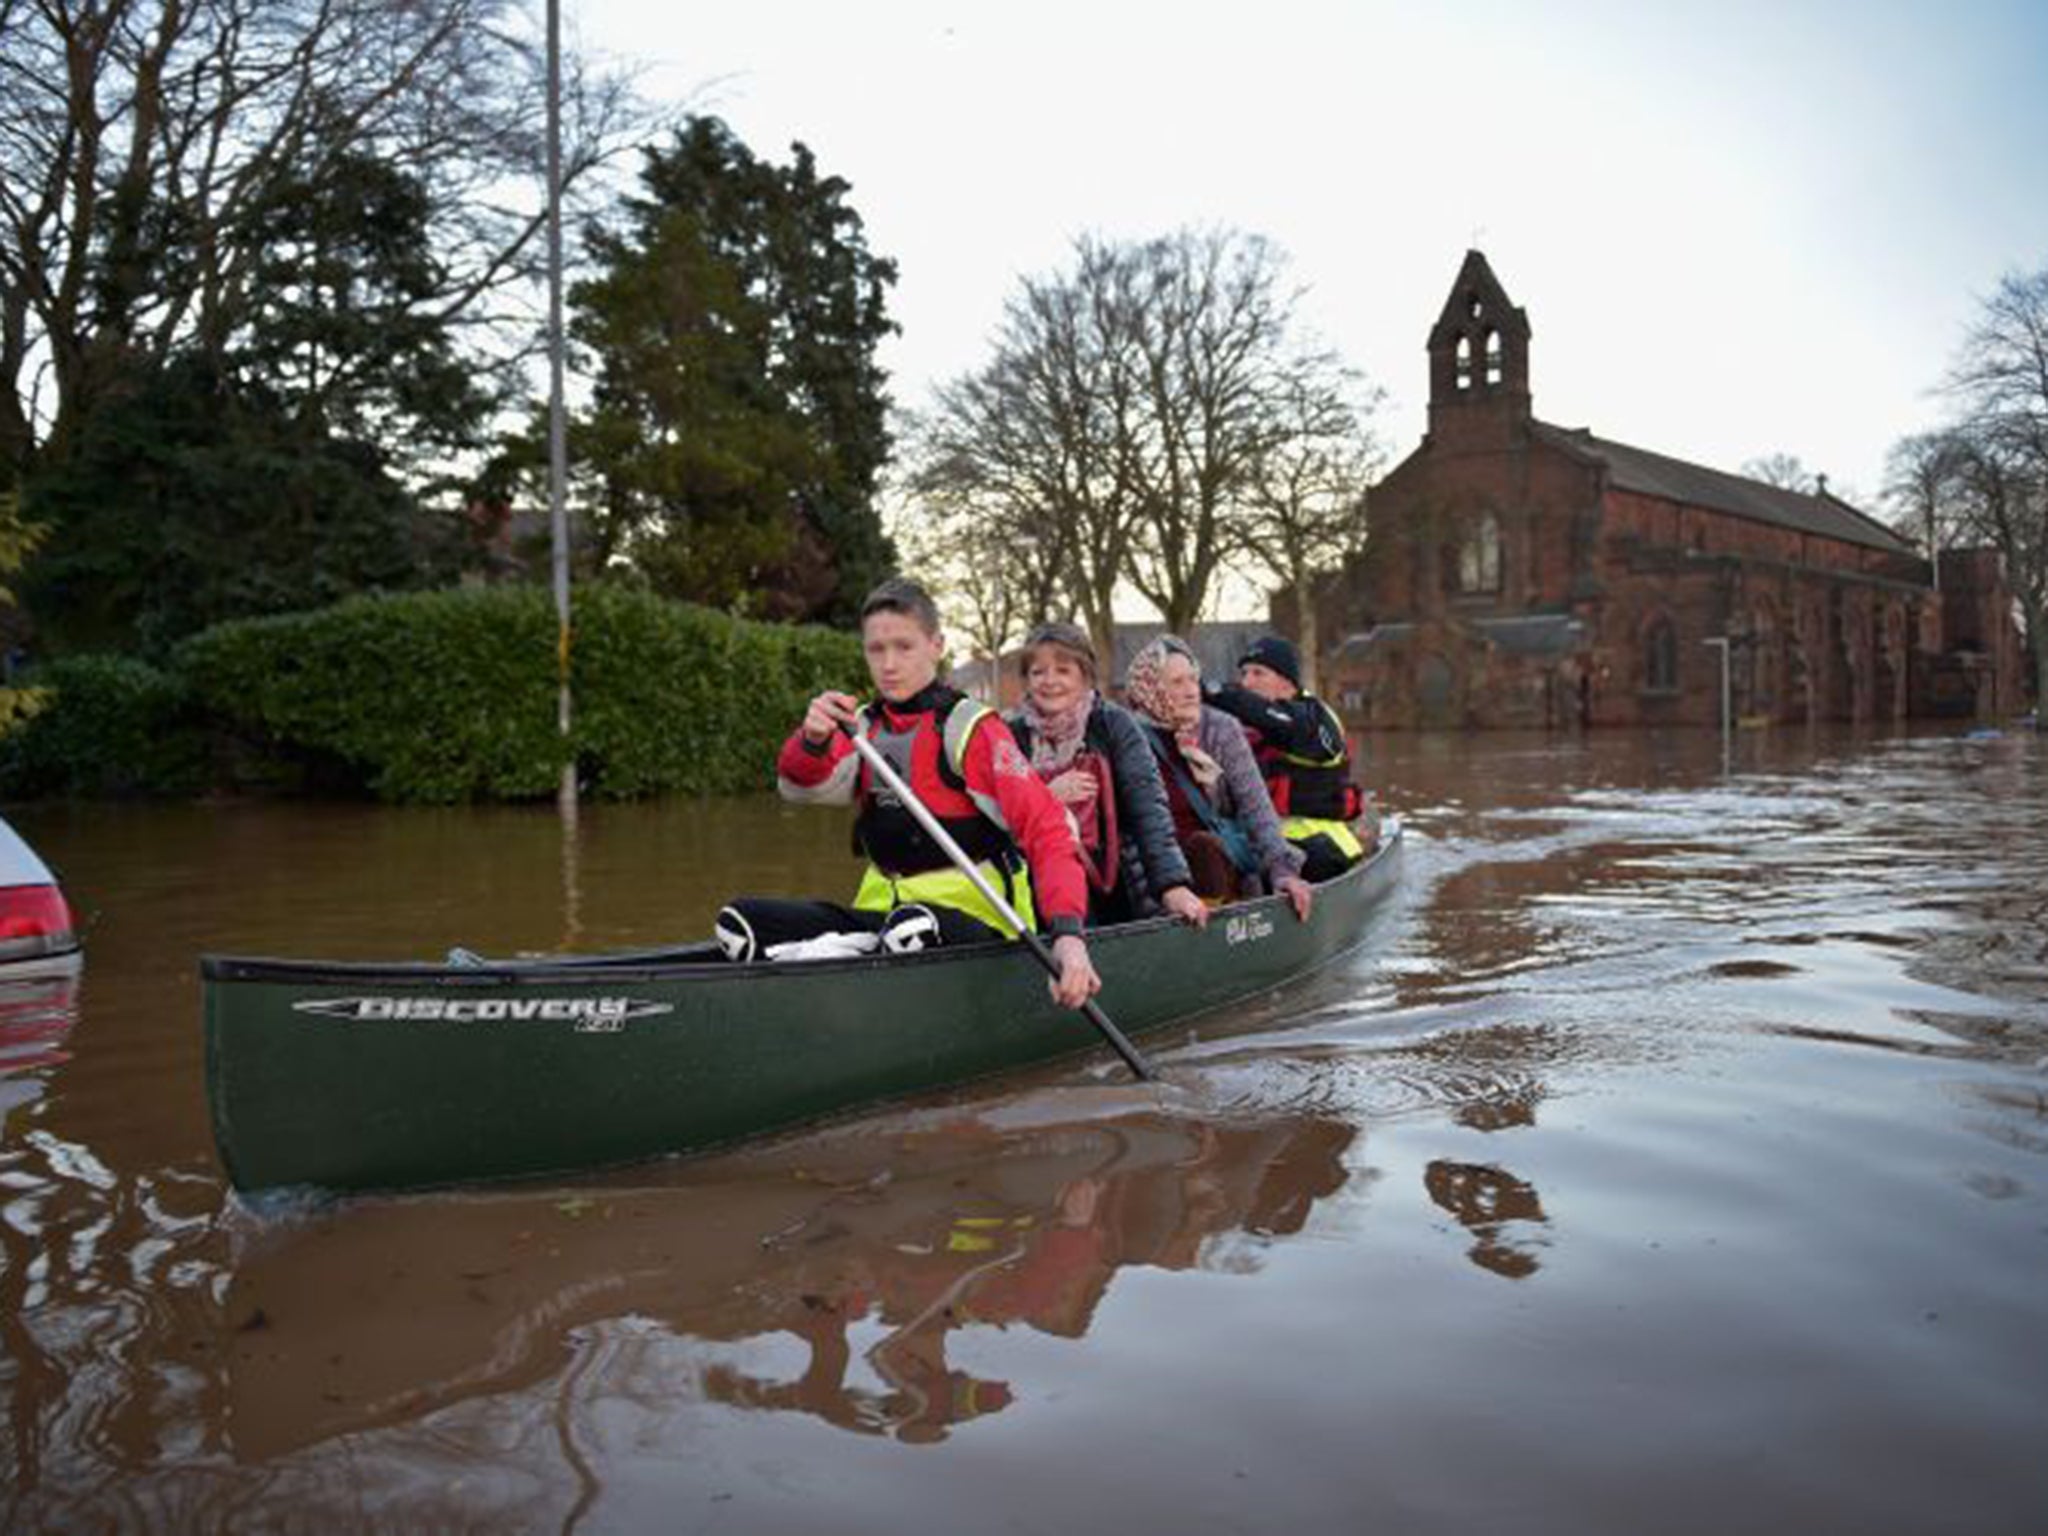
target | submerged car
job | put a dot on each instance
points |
(35, 919)
(40, 960)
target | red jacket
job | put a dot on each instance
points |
(994, 768)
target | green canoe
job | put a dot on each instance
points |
(380, 1076)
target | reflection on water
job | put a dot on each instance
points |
(873, 1252)
(38, 1007)
(1021, 1260)
(1739, 1079)
(1488, 1203)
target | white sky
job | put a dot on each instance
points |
(1737, 228)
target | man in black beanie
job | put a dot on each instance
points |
(1302, 753)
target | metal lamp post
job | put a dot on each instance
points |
(558, 451)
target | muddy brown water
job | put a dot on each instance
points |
(1673, 1157)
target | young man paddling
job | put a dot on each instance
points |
(960, 760)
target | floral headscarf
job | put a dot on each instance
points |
(1145, 688)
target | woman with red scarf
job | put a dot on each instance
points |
(1093, 757)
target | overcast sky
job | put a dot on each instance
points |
(1737, 228)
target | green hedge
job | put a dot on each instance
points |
(106, 726)
(448, 696)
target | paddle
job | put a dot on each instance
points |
(879, 765)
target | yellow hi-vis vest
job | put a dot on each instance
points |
(1298, 829)
(949, 888)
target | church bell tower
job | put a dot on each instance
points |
(1479, 363)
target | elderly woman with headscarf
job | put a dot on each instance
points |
(1222, 813)
(1094, 758)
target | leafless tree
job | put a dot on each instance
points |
(1030, 458)
(1999, 382)
(1999, 497)
(1209, 321)
(2001, 374)
(1784, 470)
(995, 566)
(1305, 505)
(1923, 476)
(1120, 435)
(138, 136)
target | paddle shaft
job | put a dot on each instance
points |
(880, 766)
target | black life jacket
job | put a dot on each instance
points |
(929, 753)
(1316, 787)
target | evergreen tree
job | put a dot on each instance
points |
(738, 420)
(347, 323)
(196, 497)
(261, 471)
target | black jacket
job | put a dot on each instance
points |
(1149, 852)
(1301, 748)
(1301, 725)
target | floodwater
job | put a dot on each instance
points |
(1672, 1158)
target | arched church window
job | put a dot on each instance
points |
(1479, 556)
(1492, 358)
(1473, 308)
(1660, 657)
(1463, 362)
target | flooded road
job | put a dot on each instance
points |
(1673, 1157)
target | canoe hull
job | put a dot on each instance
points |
(365, 1076)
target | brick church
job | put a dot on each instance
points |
(1523, 574)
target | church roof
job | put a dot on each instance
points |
(1656, 474)
(1519, 634)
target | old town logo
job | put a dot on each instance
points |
(590, 1015)
(1248, 928)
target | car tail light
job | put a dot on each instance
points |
(34, 920)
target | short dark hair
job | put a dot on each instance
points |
(899, 594)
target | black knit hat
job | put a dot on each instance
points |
(1272, 651)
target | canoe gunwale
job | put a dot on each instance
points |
(706, 965)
